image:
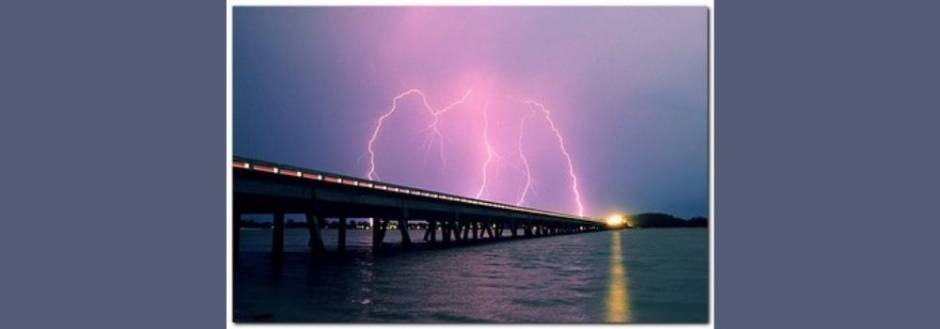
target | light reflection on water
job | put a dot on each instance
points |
(618, 301)
(581, 278)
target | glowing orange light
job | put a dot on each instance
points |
(616, 220)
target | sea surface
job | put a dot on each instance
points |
(642, 275)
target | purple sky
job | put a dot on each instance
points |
(625, 88)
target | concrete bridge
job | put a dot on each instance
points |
(267, 188)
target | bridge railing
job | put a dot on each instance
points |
(317, 175)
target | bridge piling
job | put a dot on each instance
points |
(445, 232)
(455, 229)
(341, 242)
(277, 239)
(378, 233)
(427, 234)
(315, 242)
(403, 228)
(236, 233)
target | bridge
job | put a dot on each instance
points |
(261, 187)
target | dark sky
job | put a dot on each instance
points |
(625, 88)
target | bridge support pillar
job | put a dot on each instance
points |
(403, 228)
(446, 230)
(465, 228)
(512, 228)
(489, 229)
(476, 230)
(427, 232)
(236, 231)
(341, 242)
(432, 226)
(236, 236)
(455, 229)
(277, 240)
(315, 241)
(378, 233)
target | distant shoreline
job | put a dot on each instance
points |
(661, 220)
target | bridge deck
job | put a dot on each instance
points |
(264, 187)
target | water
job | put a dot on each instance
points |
(646, 276)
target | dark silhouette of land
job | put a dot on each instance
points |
(660, 220)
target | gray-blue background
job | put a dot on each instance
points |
(112, 132)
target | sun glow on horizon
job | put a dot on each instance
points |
(616, 220)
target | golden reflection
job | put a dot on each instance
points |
(618, 301)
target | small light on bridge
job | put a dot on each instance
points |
(276, 170)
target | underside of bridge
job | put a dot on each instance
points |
(266, 188)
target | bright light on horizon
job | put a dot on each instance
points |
(616, 220)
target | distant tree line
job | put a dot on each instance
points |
(651, 220)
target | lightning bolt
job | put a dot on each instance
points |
(433, 125)
(371, 173)
(489, 148)
(561, 144)
(525, 161)
(435, 134)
